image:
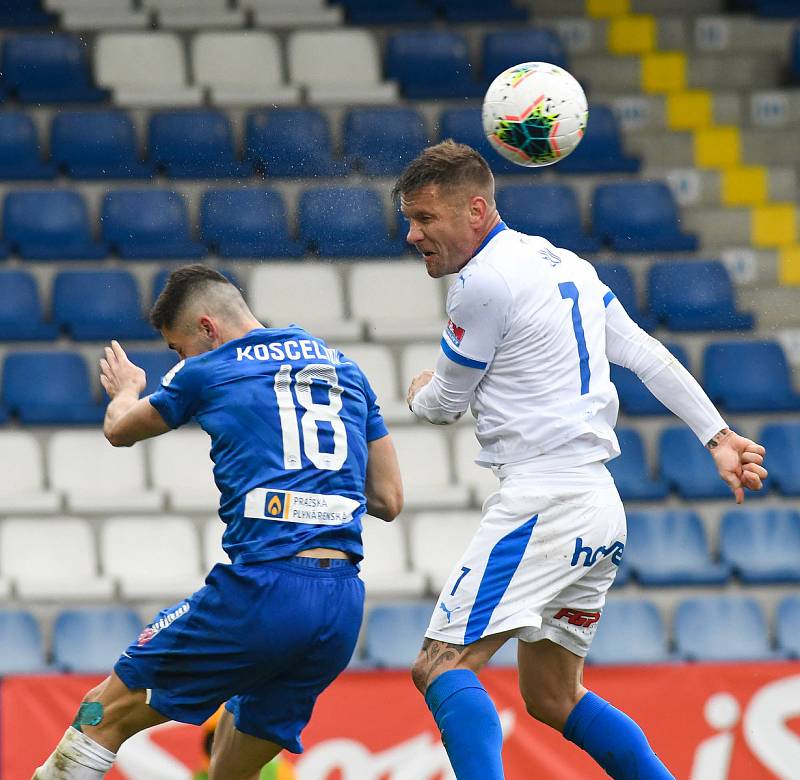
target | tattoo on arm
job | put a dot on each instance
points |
(717, 438)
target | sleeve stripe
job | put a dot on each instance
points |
(608, 297)
(460, 359)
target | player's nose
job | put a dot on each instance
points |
(414, 234)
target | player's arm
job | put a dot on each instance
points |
(737, 458)
(128, 418)
(384, 485)
(477, 310)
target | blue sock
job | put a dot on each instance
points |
(612, 739)
(469, 724)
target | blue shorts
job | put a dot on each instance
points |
(267, 638)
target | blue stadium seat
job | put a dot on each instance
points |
(394, 633)
(749, 376)
(794, 58)
(147, 224)
(480, 11)
(688, 468)
(25, 13)
(49, 388)
(634, 397)
(431, 64)
(195, 144)
(20, 152)
(97, 145)
(762, 545)
(695, 295)
(669, 547)
(503, 50)
(465, 126)
(630, 470)
(388, 11)
(619, 280)
(548, 210)
(787, 626)
(156, 364)
(21, 317)
(49, 68)
(99, 306)
(782, 441)
(90, 640)
(50, 225)
(345, 222)
(382, 141)
(639, 217)
(292, 142)
(600, 150)
(630, 631)
(21, 647)
(721, 628)
(247, 223)
(777, 9)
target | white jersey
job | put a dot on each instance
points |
(533, 316)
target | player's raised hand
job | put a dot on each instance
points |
(118, 373)
(417, 383)
(738, 462)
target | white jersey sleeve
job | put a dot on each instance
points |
(629, 346)
(478, 304)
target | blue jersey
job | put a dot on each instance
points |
(289, 420)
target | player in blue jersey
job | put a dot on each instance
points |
(300, 452)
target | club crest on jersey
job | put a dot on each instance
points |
(454, 333)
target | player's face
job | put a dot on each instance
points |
(192, 339)
(442, 228)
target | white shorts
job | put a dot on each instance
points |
(541, 563)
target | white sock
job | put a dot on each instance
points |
(76, 757)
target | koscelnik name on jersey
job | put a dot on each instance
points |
(291, 349)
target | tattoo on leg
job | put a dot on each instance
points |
(90, 713)
(439, 653)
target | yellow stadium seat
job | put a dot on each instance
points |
(664, 72)
(690, 110)
(607, 8)
(789, 265)
(632, 34)
(718, 147)
(774, 225)
(745, 186)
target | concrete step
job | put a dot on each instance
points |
(722, 228)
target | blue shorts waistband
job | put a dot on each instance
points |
(324, 567)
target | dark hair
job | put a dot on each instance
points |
(181, 284)
(447, 164)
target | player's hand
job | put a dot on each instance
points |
(417, 383)
(738, 461)
(118, 373)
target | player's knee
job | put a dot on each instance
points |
(419, 673)
(549, 707)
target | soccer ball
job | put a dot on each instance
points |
(534, 114)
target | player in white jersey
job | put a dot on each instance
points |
(530, 335)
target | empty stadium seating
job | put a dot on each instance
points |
(99, 306)
(548, 210)
(631, 631)
(438, 540)
(385, 568)
(478, 11)
(148, 224)
(787, 626)
(721, 628)
(21, 646)
(180, 466)
(762, 545)
(49, 388)
(22, 478)
(618, 278)
(482, 481)
(695, 296)
(782, 442)
(506, 48)
(601, 149)
(388, 11)
(194, 144)
(377, 363)
(381, 141)
(631, 472)
(405, 623)
(97, 145)
(248, 222)
(764, 386)
(90, 640)
(639, 217)
(50, 225)
(20, 148)
(670, 548)
(21, 317)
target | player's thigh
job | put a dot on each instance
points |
(236, 755)
(550, 680)
(112, 712)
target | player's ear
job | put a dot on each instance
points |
(477, 208)
(209, 328)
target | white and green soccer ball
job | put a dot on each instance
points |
(534, 114)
